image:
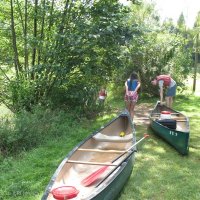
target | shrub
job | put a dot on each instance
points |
(27, 130)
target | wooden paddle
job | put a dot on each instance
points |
(95, 175)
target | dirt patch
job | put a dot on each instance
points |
(142, 112)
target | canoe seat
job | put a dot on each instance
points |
(105, 138)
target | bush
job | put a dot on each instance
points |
(27, 130)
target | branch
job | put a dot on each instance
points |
(5, 74)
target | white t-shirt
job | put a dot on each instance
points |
(172, 83)
(102, 97)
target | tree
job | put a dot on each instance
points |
(153, 48)
(62, 51)
(196, 48)
(181, 22)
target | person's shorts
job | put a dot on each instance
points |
(131, 97)
(171, 91)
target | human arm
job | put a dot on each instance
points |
(138, 86)
(161, 95)
(126, 87)
(161, 83)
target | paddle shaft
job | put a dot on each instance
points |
(130, 148)
(122, 160)
(95, 175)
(114, 169)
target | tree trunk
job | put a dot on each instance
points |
(42, 31)
(25, 36)
(51, 15)
(49, 29)
(35, 36)
(14, 40)
(195, 63)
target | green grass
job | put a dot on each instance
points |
(159, 173)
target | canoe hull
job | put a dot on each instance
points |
(179, 139)
(92, 150)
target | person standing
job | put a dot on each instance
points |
(169, 83)
(131, 93)
(102, 95)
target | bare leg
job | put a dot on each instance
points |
(132, 107)
(167, 101)
(128, 104)
(170, 102)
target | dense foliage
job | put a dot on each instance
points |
(59, 53)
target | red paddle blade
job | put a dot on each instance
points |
(146, 135)
(64, 192)
(165, 112)
(94, 176)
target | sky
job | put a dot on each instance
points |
(173, 9)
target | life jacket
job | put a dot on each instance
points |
(165, 78)
(132, 85)
(102, 93)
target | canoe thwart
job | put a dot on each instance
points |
(100, 150)
(90, 163)
(160, 113)
(181, 119)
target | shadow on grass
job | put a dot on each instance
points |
(160, 172)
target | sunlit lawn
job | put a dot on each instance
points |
(159, 173)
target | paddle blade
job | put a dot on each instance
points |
(93, 177)
(64, 192)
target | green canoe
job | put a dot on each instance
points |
(114, 146)
(178, 136)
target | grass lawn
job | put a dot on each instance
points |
(159, 173)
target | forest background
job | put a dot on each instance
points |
(55, 56)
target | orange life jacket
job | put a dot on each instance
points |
(165, 78)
